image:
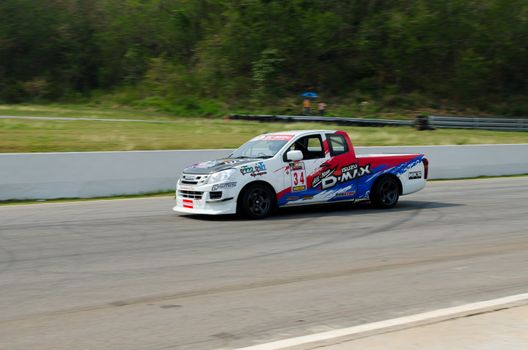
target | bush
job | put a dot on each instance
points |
(188, 106)
(12, 92)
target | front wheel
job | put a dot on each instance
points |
(385, 193)
(256, 202)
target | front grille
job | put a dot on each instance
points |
(190, 194)
(190, 179)
(188, 182)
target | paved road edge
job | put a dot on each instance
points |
(344, 334)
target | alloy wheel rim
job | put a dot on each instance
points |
(389, 193)
(259, 202)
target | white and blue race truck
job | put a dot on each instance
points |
(294, 168)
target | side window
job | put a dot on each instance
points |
(337, 144)
(311, 147)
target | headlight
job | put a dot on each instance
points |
(221, 176)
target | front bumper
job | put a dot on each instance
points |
(203, 200)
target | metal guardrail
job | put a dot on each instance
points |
(485, 123)
(432, 121)
(322, 119)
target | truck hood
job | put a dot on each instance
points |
(214, 166)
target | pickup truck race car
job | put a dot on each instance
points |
(297, 168)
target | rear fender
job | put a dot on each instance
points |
(398, 166)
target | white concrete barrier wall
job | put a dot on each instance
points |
(454, 162)
(98, 174)
(94, 174)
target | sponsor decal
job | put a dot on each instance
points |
(319, 178)
(277, 137)
(350, 172)
(223, 186)
(298, 177)
(188, 203)
(256, 169)
(413, 175)
(345, 194)
(285, 168)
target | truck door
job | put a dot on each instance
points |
(300, 173)
(337, 177)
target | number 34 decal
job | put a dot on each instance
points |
(298, 177)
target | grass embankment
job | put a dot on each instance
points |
(82, 111)
(110, 107)
(17, 135)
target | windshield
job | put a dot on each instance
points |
(259, 149)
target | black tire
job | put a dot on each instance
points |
(257, 201)
(385, 193)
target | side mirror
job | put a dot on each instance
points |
(294, 155)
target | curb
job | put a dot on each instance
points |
(370, 329)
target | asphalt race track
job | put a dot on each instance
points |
(130, 274)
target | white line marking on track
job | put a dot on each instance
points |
(400, 322)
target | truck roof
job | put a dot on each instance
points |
(296, 133)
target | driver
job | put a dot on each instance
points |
(299, 146)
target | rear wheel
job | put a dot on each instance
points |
(256, 202)
(385, 193)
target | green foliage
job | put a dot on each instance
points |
(184, 106)
(160, 53)
(264, 72)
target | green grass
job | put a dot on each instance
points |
(65, 136)
(163, 109)
(84, 111)
(18, 135)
